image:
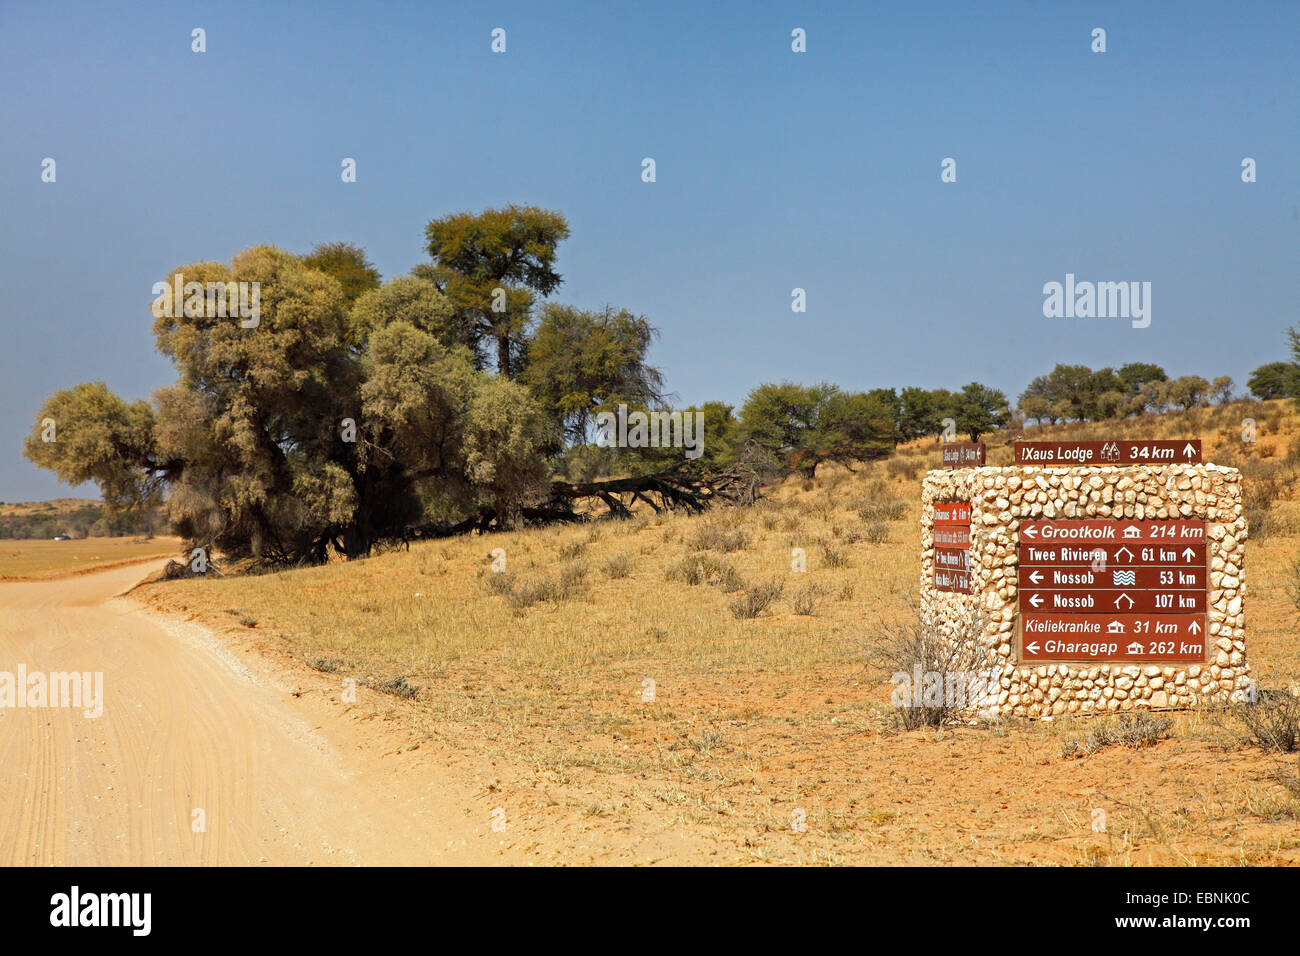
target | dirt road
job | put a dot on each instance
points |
(196, 759)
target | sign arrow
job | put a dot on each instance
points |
(1035, 599)
(1029, 532)
(1189, 554)
(1194, 627)
(1035, 577)
(1032, 648)
(1189, 451)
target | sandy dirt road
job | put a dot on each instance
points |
(187, 726)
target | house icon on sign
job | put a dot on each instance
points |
(1135, 648)
(1110, 451)
(1115, 627)
(1132, 531)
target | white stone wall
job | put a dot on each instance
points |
(1001, 497)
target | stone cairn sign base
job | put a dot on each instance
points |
(986, 621)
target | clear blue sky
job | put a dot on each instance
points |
(776, 170)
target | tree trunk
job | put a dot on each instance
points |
(503, 356)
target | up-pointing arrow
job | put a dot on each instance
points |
(1035, 577)
(1189, 451)
(1036, 599)
(1189, 554)
(1194, 628)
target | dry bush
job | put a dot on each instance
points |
(500, 582)
(1135, 731)
(715, 537)
(561, 587)
(883, 509)
(832, 556)
(903, 650)
(619, 566)
(571, 550)
(805, 599)
(904, 468)
(876, 532)
(1270, 722)
(397, 686)
(850, 535)
(754, 601)
(698, 569)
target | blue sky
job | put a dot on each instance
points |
(775, 170)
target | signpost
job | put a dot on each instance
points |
(1094, 453)
(952, 546)
(963, 454)
(1112, 590)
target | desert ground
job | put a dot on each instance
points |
(618, 693)
(33, 560)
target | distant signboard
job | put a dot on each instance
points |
(1112, 590)
(963, 454)
(952, 546)
(1184, 452)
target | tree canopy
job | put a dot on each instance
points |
(318, 427)
(492, 266)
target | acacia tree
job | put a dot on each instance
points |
(579, 363)
(316, 428)
(803, 426)
(348, 264)
(492, 265)
(980, 409)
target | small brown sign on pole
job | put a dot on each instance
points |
(963, 454)
(1094, 453)
(952, 546)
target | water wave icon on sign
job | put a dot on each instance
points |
(1123, 577)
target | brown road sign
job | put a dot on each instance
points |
(1103, 556)
(1118, 600)
(952, 512)
(1130, 577)
(958, 581)
(1172, 638)
(952, 536)
(963, 454)
(952, 546)
(1116, 452)
(1112, 589)
(1090, 531)
(952, 559)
